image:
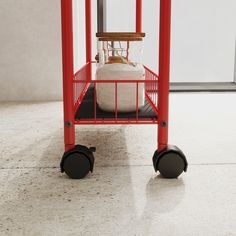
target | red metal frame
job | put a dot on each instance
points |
(75, 85)
(138, 16)
(88, 16)
(68, 73)
(164, 72)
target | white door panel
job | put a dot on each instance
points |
(203, 36)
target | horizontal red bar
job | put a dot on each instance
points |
(116, 122)
(117, 81)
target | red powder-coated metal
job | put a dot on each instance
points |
(116, 122)
(75, 85)
(164, 72)
(137, 102)
(68, 73)
(138, 16)
(88, 26)
(81, 89)
(95, 102)
(116, 102)
(81, 83)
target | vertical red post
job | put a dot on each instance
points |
(116, 101)
(164, 72)
(95, 102)
(68, 73)
(88, 22)
(138, 16)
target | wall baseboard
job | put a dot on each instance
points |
(203, 87)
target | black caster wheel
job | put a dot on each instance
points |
(78, 162)
(170, 162)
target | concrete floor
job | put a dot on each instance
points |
(123, 196)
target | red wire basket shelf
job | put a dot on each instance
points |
(87, 111)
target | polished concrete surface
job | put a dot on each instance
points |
(123, 196)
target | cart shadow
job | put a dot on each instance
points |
(110, 143)
(39, 186)
(47, 151)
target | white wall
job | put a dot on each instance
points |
(203, 42)
(30, 50)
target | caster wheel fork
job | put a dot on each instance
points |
(170, 162)
(78, 162)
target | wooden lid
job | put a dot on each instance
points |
(120, 36)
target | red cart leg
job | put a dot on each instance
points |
(68, 73)
(78, 160)
(164, 72)
(168, 160)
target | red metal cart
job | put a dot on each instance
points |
(80, 106)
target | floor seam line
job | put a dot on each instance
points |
(56, 167)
